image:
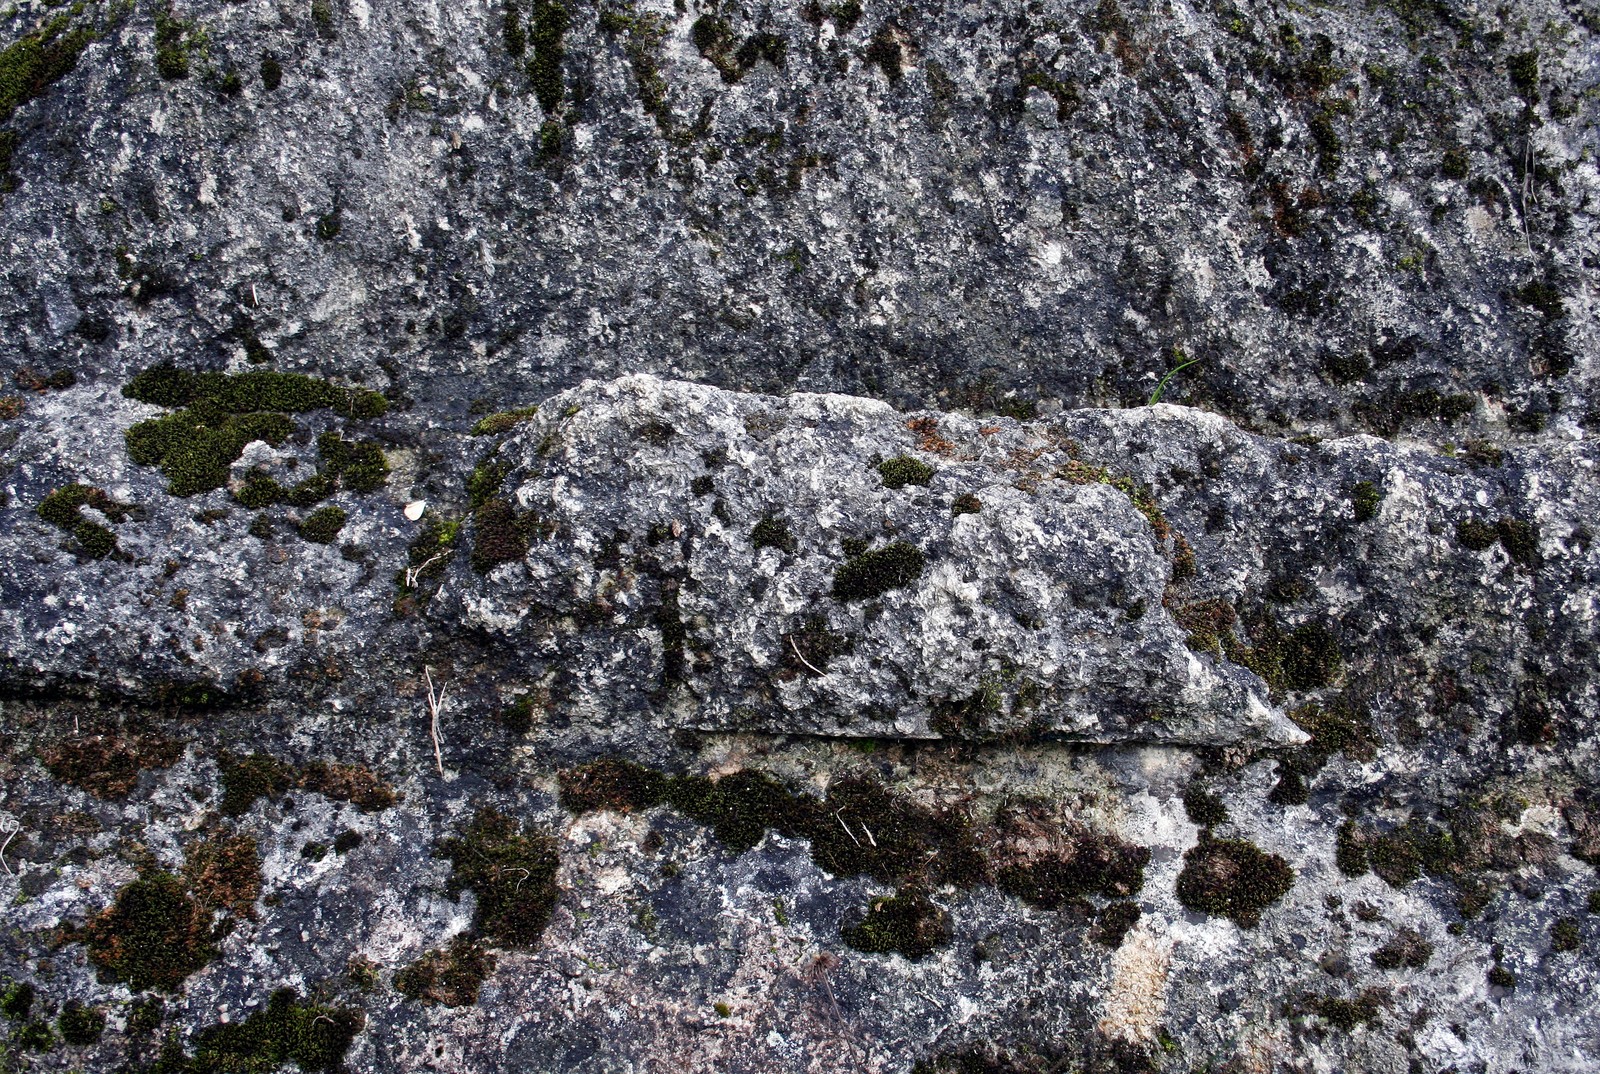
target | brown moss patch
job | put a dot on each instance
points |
(451, 977)
(108, 765)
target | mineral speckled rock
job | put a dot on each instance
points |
(1253, 731)
(646, 576)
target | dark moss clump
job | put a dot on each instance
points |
(289, 1030)
(1305, 658)
(908, 923)
(258, 775)
(80, 1025)
(860, 828)
(1339, 726)
(965, 504)
(16, 1000)
(1206, 623)
(1113, 922)
(1523, 68)
(876, 572)
(500, 535)
(1566, 935)
(615, 785)
(154, 936)
(512, 872)
(773, 532)
(550, 22)
(903, 470)
(1519, 539)
(1347, 1014)
(108, 766)
(63, 509)
(246, 779)
(323, 525)
(1080, 863)
(1203, 807)
(1232, 878)
(353, 783)
(884, 52)
(1406, 949)
(1471, 533)
(358, 465)
(1364, 499)
(1063, 92)
(451, 977)
(503, 422)
(271, 72)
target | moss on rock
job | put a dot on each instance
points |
(1232, 878)
(511, 869)
(876, 572)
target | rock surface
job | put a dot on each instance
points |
(768, 622)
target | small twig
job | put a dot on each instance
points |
(435, 704)
(846, 827)
(802, 657)
(868, 830)
(413, 573)
(12, 835)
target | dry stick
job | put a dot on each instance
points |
(802, 658)
(3, 846)
(413, 573)
(435, 703)
(846, 827)
(868, 830)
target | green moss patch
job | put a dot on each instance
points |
(773, 532)
(1113, 923)
(63, 509)
(1232, 878)
(322, 526)
(876, 572)
(550, 22)
(1078, 862)
(503, 422)
(219, 413)
(1305, 658)
(1406, 949)
(511, 869)
(903, 470)
(451, 977)
(1519, 539)
(1346, 1014)
(80, 1026)
(160, 928)
(289, 1030)
(1365, 497)
(430, 552)
(907, 923)
(31, 65)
